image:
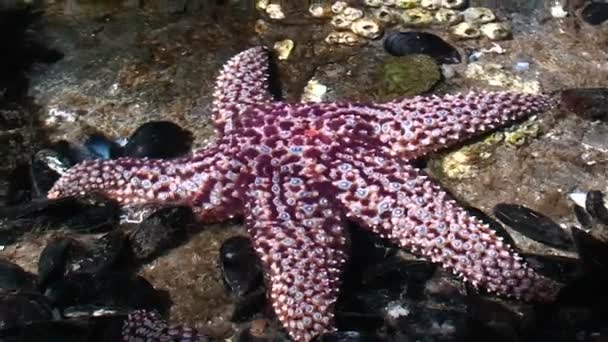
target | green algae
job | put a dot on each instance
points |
(406, 76)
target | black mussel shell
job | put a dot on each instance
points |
(595, 13)
(501, 321)
(583, 217)
(50, 163)
(12, 116)
(19, 186)
(395, 274)
(53, 258)
(432, 320)
(21, 48)
(92, 329)
(360, 321)
(592, 252)
(596, 206)
(348, 336)
(15, 278)
(91, 213)
(241, 269)
(563, 269)
(585, 291)
(249, 305)
(494, 225)
(64, 256)
(161, 230)
(18, 309)
(588, 103)
(44, 171)
(8, 236)
(534, 225)
(102, 147)
(158, 139)
(105, 290)
(405, 43)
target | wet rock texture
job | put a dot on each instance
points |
(123, 68)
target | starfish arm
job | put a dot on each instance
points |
(205, 182)
(301, 242)
(243, 80)
(142, 325)
(402, 204)
(425, 124)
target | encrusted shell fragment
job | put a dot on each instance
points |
(417, 17)
(496, 75)
(465, 31)
(384, 14)
(283, 48)
(261, 4)
(496, 31)
(340, 22)
(373, 3)
(430, 4)
(352, 13)
(367, 28)
(478, 15)
(448, 16)
(343, 38)
(453, 4)
(557, 11)
(275, 11)
(318, 9)
(261, 27)
(338, 7)
(314, 91)
(407, 4)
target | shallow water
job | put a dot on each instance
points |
(129, 62)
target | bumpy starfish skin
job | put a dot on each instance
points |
(148, 326)
(299, 171)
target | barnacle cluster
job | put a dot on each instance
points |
(357, 22)
(369, 21)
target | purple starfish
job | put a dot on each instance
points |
(299, 171)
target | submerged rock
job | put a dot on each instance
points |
(588, 103)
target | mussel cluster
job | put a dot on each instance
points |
(390, 296)
(86, 287)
